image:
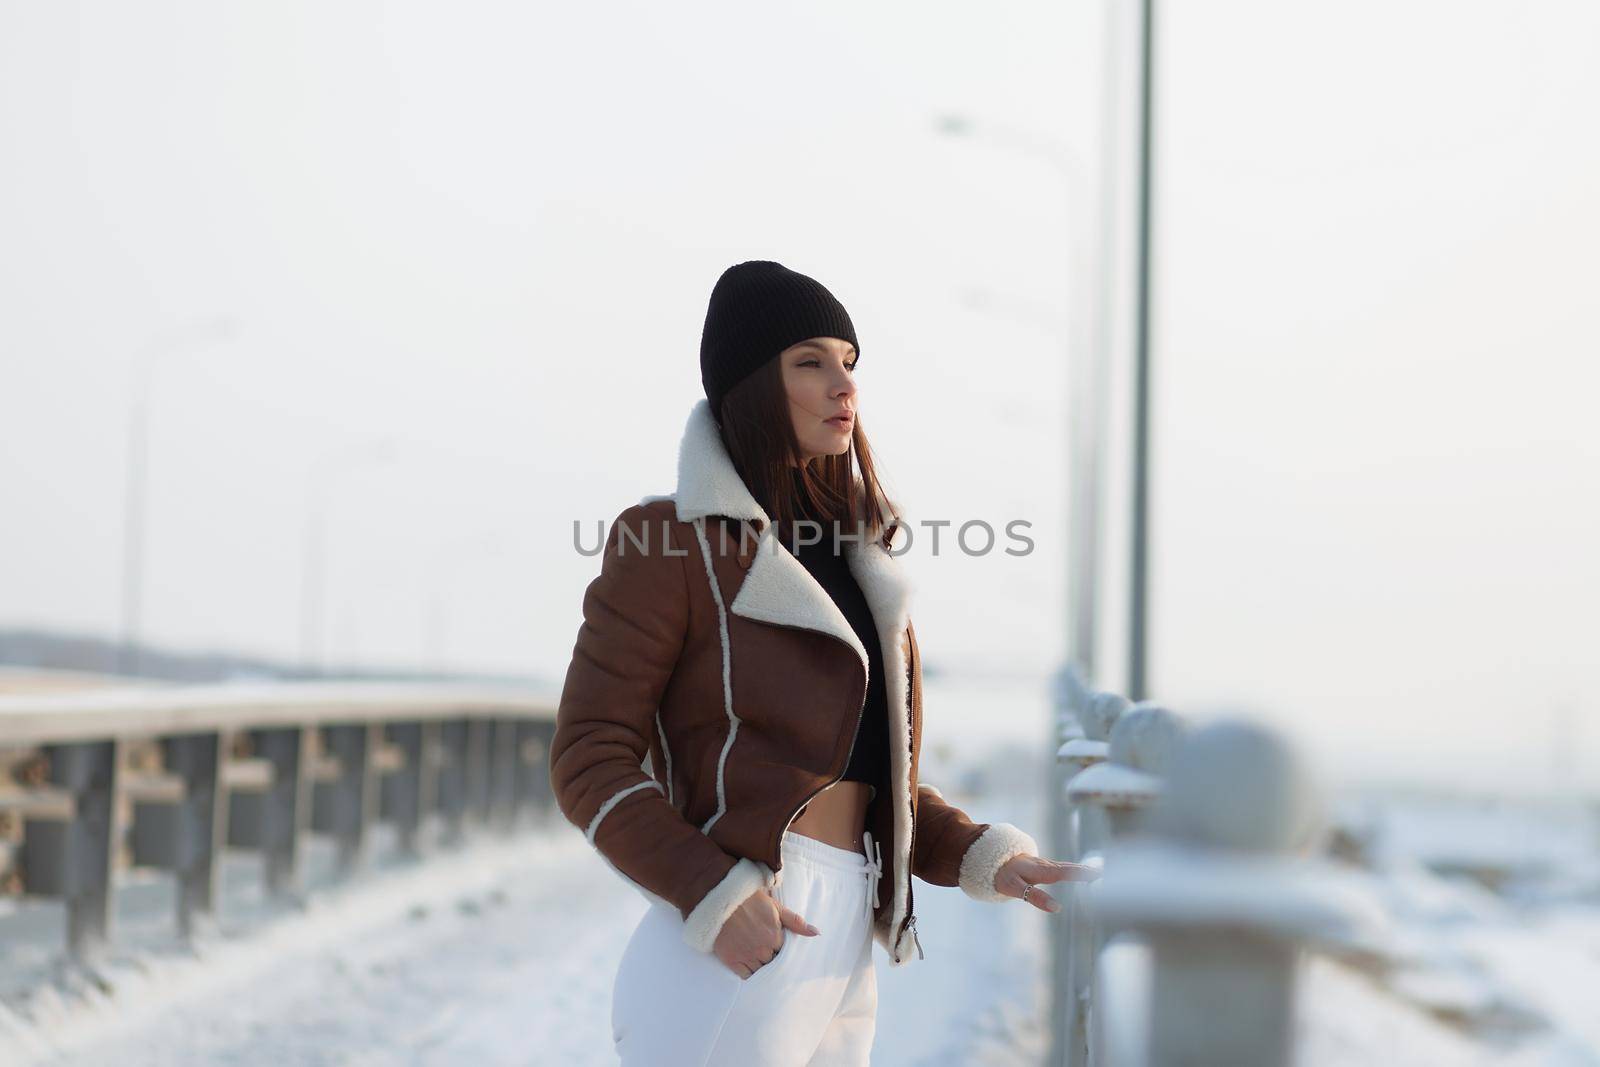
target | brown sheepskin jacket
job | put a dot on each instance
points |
(708, 647)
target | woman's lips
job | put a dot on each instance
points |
(841, 422)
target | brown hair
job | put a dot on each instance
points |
(759, 434)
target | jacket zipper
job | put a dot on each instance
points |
(866, 688)
(860, 713)
(910, 918)
(776, 845)
(911, 746)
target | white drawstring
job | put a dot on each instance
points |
(874, 866)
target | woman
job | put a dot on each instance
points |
(749, 633)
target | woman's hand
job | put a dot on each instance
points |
(1019, 872)
(753, 934)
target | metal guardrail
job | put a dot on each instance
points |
(1201, 836)
(92, 783)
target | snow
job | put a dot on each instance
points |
(1152, 882)
(1082, 752)
(1464, 974)
(1344, 1020)
(425, 958)
(1113, 785)
(95, 714)
(504, 954)
(136, 696)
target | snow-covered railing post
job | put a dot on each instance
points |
(182, 827)
(69, 838)
(533, 743)
(1099, 716)
(345, 798)
(408, 790)
(1124, 785)
(1110, 797)
(1085, 720)
(1069, 693)
(1217, 893)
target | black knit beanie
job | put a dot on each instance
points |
(758, 308)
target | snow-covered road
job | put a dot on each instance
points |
(507, 957)
(505, 953)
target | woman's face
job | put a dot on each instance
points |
(819, 378)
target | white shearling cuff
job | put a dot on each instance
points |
(705, 921)
(987, 855)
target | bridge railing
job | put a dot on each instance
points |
(95, 783)
(1204, 839)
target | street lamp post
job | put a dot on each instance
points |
(136, 479)
(446, 555)
(1087, 356)
(1087, 438)
(1139, 585)
(314, 557)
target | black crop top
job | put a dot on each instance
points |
(869, 758)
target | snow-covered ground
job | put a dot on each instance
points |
(504, 954)
(1497, 908)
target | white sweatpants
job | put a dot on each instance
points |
(815, 1003)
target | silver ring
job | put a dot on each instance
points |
(1026, 886)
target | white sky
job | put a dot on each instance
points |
(486, 233)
